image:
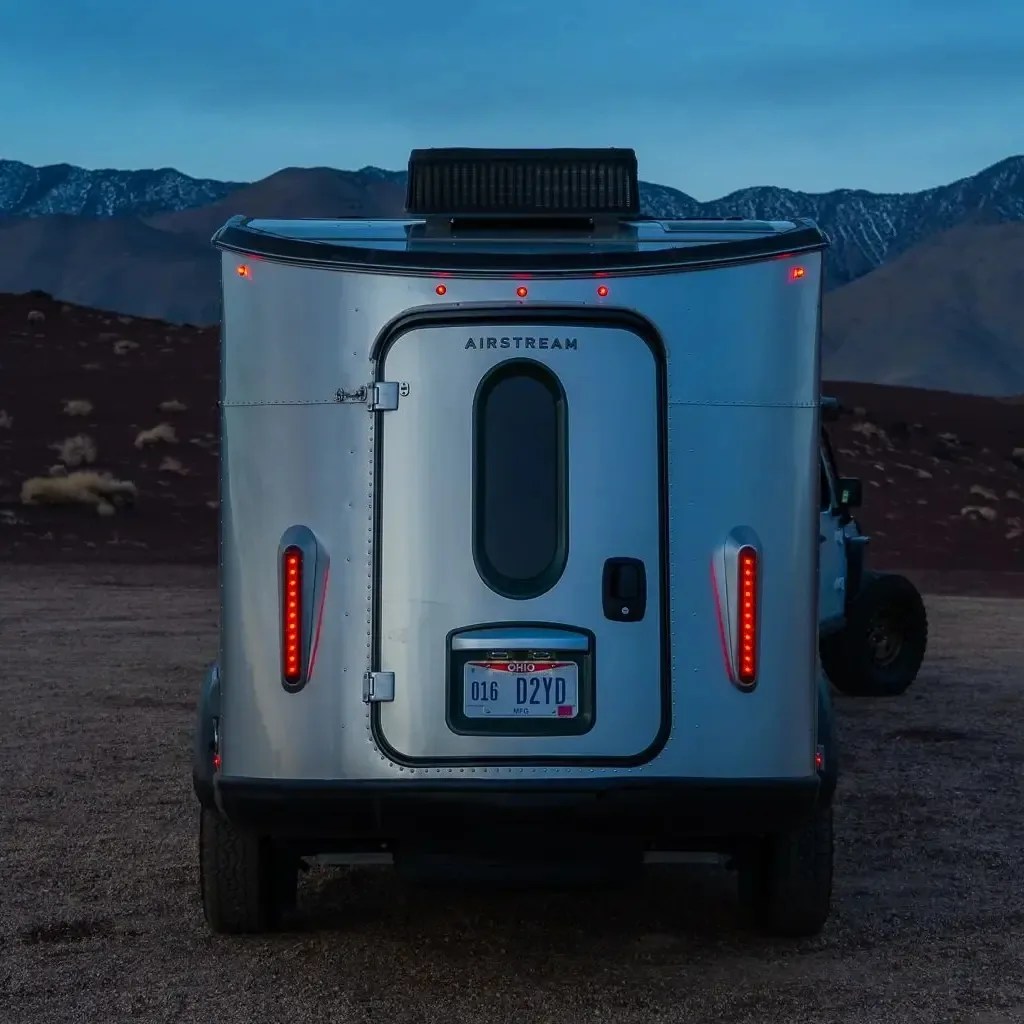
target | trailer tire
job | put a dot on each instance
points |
(245, 883)
(786, 879)
(879, 651)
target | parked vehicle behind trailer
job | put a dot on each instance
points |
(519, 530)
(873, 626)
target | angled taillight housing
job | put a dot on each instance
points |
(303, 567)
(747, 619)
(292, 615)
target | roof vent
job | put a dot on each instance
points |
(522, 182)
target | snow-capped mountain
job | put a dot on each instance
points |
(866, 228)
(27, 191)
(923, 288)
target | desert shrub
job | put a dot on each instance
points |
(83, 487)
(76, 451)
(161, 432)
(77, 407)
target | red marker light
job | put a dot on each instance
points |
(795, 273)
(747, 613)
(441, 289)
(522, 292)
(602, 290)
(242, 270)
(292, 613)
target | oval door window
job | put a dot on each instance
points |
(520, 488)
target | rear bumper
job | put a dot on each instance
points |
(663, 814)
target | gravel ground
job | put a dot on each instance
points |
(99, 917)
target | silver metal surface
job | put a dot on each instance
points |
(429, 581)
(742, 439)
(378, 686)
(512, 638)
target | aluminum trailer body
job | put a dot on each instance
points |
(519, 530)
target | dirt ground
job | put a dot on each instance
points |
(99, 915)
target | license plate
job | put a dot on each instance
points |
(521, 689)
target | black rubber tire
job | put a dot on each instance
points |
(848, 658)
(786, 879)
(246, 883)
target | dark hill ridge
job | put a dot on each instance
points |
(867, 228)
(930, 290)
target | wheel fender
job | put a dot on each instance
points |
(203, 748)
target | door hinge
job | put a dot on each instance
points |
(378, 686)
(381, 396)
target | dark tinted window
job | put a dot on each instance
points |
(521, 519)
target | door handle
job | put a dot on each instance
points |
(624, 589)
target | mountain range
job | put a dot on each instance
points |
(923, 287)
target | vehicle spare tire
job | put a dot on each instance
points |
(880, 649)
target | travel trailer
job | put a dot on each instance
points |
(519, 542)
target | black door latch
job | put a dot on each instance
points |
(624, 589)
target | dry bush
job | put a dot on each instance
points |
(990, 515)
(161, 432)
(92, 366)
(1013, 495)
(984, 492)
(77, 407)
(172, 405)
(213, 504)
(172, 465)
(869, 429)
(58, 469)
(36, 316)
(125, 320)
(1016, 527)
(76, 451)
(83, 487)
(124, 345)
(6, 420)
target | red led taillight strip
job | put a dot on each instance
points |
(291, 624)
(746, 616)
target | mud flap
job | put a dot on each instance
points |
(829, 772)
(204, 739)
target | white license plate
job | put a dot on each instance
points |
(521, 689)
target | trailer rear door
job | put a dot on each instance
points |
(520, 543)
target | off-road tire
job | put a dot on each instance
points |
(786, 879)
(849, 658)
(246, 883)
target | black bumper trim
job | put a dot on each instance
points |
(664, 813)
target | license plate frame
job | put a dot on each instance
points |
(517, 690)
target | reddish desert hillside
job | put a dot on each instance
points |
(942, 483)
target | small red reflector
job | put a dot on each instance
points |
(746, 653)
(441, 289)
(602, 290)
(819, 760)
(291, 634)
(242, 270)
(795, 273)
(216, 762)
(522, 292)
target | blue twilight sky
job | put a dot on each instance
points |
(890, 95)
